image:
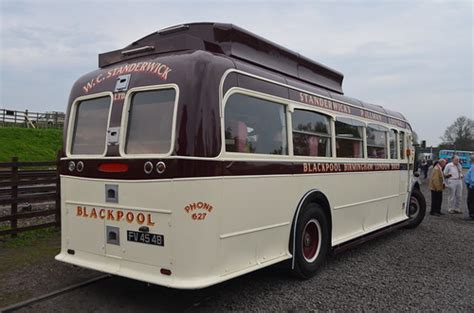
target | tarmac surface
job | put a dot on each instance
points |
(429, 268)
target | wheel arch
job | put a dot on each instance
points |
(312, 196)
(415, 185)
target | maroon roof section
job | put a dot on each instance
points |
(234, 42)
(226, 46)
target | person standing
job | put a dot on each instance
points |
(424, 168)
(436, 186)
(469, 180)
(430, 168)
(453, 175)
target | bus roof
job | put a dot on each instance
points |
(238, 43)
(233, 41)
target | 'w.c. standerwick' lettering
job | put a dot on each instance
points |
(158, 69)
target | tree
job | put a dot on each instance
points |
(459, 135)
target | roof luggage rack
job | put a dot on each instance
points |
(232, 41)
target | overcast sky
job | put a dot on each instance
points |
(412, 57)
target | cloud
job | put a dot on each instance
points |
(409, 56)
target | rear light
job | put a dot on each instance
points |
(80, 166)
(71, 166)
(160, 167)
(113, 167)
(148, 167)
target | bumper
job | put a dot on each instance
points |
(151, 274)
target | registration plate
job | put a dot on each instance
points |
(148, 238)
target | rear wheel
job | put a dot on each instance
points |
(416, 209)
(312, 241)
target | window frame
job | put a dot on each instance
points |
(397, 149)
(292, 105)
(381, 128)
(330, 136)
(361, 123)
(263, 96)
(125, 116)
(72, 124)
(402, 150)
(295, 104)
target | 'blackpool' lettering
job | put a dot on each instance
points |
(115, 215)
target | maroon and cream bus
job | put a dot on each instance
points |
(202, 152)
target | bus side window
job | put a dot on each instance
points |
(376, 141)
(402, 145)
(254, 125)
(311, 134)
(349, 139)
(393, 144)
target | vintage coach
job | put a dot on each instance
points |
(208, 143)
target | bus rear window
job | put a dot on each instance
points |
(150, 120)
(90, 126)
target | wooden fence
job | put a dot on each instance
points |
(24, 183)
(31, 119)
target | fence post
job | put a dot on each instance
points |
(14, 189)
(58, 191)
(26, 119)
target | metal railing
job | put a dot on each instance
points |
(31, 119)
(24, 184)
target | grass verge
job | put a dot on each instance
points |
(28, 248)
(29, 144)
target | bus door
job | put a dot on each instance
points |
(410, 160)
(404, 171)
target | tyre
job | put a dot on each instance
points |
(312, 241)
(417, 208)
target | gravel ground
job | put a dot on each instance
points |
(26, 208)
(430, 268)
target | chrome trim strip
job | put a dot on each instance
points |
(367, 201)
(253, 230)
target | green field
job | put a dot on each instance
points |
(29, 144)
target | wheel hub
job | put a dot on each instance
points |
(311, 240)
(414, 207)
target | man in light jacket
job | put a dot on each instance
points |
(436, 186)
(469, 180)
(453, 175)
